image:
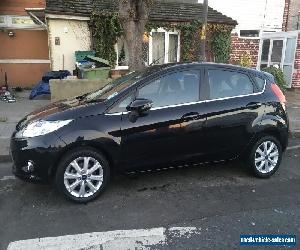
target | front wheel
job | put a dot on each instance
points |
(265, 157)
(82, 175)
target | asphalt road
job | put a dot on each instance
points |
(222, 201)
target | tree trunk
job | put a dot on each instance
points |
(133, 16)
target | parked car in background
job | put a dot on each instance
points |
(166, 115)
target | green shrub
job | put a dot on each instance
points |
(245, 60)
(220, 45)
(278, 75)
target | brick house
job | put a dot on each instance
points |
(24, 54)
(253, 17)
(283, 48)
(291, 15)
(259, 33)
(70, 26)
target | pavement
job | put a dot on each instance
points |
(204, 207)
(11, 113)
(293, 106)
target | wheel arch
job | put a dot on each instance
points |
(84, 144)
(271, 131)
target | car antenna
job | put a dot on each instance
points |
(157, 60)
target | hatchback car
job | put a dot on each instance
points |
(166, 115)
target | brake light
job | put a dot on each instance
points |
(277, 91)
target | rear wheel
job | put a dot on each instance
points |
(82, 175)
(265, 157)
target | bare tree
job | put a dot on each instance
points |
(134, 15)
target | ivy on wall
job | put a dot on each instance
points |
(220, 44)
(218, 39)
(105, 30)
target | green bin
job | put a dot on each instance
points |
(81, 55)
(101, 71)
(96, 73)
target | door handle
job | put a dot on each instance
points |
(190, 116)
(253, 105)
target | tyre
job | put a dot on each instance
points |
(82, 175)
(265, 157)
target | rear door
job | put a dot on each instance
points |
(234, 107)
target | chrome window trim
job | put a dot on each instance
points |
(198, 102)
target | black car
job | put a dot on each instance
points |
(166, 115)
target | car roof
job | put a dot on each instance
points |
(156, 68)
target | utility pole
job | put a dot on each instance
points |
(203, 31)
(298, 21)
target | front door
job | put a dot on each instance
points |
(172, 130)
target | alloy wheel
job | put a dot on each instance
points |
(83, 177)
(266, 157)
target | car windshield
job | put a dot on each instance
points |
(113, 88)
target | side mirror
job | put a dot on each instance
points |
(140, 105)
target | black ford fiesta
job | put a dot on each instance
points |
(165, 115)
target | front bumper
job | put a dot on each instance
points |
(42, 152)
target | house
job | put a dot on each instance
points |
(254, 17)
(283, 48)
(24, 53)
(69, 31)
(291, 15)
(259, 33)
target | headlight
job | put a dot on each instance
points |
(42, 127)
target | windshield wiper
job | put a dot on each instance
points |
(81, 97)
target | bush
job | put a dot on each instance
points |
(278, 75)
(245, 60)
(220, 45)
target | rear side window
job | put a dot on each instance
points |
(260, 83)
(225, 83)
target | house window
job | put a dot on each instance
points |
(249, 33)
(21, 21)
(17, 22)
(173, 47)
(164, 46)
(159, 47)
(2, 21)
(122, 54)
(278, 51)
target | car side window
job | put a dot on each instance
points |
(260, 83)
(171, 89)
(121, 105)
(225, 83)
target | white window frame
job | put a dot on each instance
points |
(166, 58)
(278, 36)
(167, 35)
(5, 24)
(249, 37)
(8, 22)
(118, 67)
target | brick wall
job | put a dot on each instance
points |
(240, 45)
(296, 74)
(286, 15)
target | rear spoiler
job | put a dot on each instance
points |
(269, 76)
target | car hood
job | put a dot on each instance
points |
(64, 110)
